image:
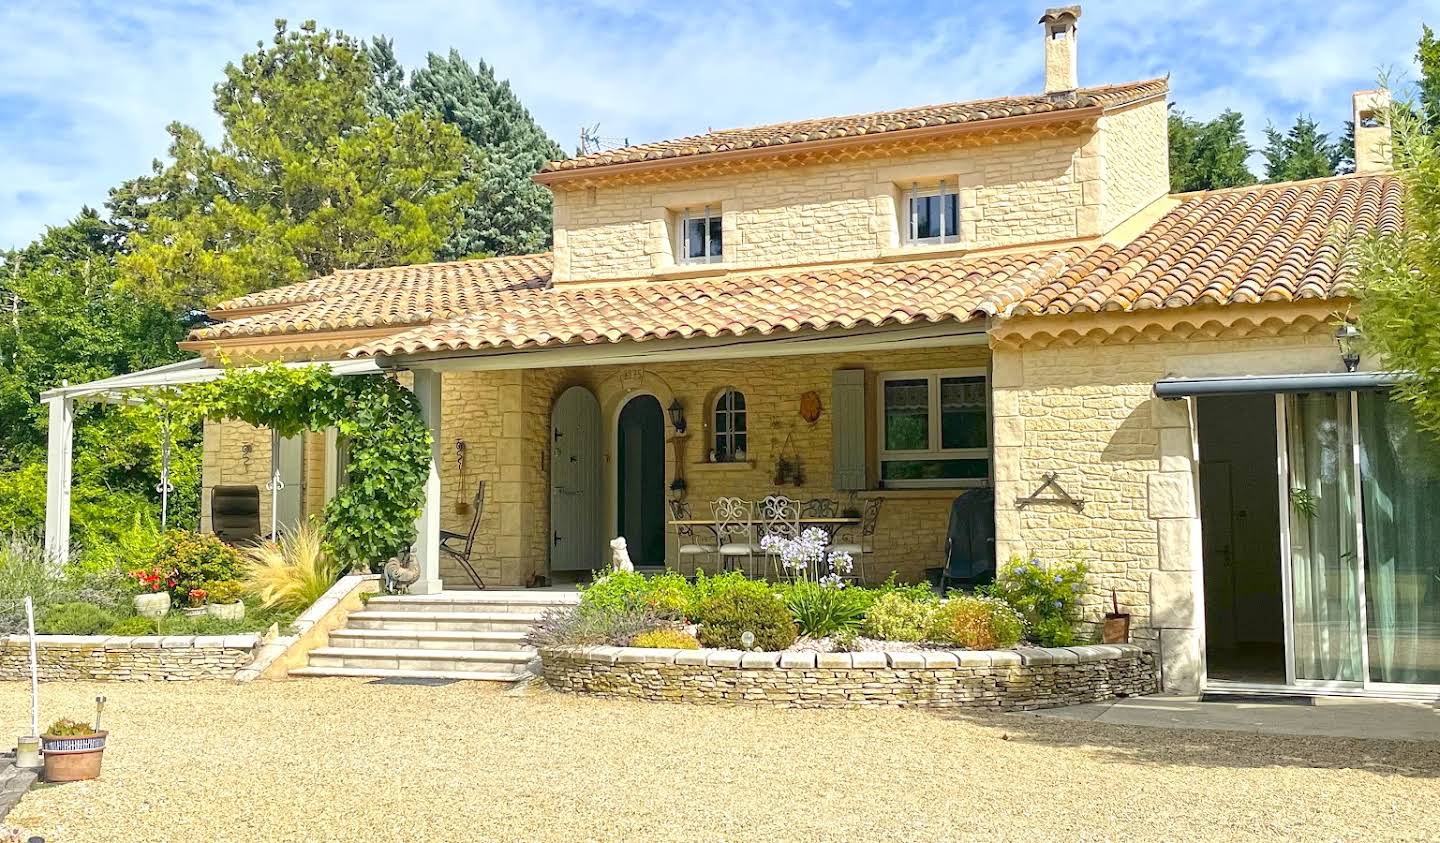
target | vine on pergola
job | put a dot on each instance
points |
(372, 516)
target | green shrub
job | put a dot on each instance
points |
(894, 616)
(821, 610)
(728, 582)
(74, 619)
(667, 594)
(976, 623)
(918, 593)
(666, 639)
(67, 728)
(224, 591)
(726, 616)
(134, 547)
(1047, 598)
(133, 625)
(195, 559)
(585, 625)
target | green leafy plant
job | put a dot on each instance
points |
(74, 619)
(67, 728)
(292, 573)
(728, 582)
(976, 623)
(821, 610)
(1047, 597)
(666, 639)
(582, 625)
(1304, 502)
(225, 591)
(727, 616)
(895, 616)
(667, 594)
(195, 559)
(917, 592)
(372, 517)
(133, 625)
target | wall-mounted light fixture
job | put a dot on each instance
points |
(677, 416)
(1349, 339)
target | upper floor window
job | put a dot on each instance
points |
(934, 428)
(730, 427)
(701, 237)
(932, 215)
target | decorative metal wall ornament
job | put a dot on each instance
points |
(462, 502)
(165, 487)
(1058, 495)
(810, 407)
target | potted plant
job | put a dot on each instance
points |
(225, 602)
(197, 598)
(73, 749)
(153, 585)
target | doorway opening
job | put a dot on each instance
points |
(640, 480)
(1240, 529)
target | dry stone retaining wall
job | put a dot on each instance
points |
(142, 658)
(1008, 680)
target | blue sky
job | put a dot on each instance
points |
(86, 88)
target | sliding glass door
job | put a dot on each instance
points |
(1400, 481)
(1360, 488)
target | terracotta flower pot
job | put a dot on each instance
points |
(72, 758)
(154, 605)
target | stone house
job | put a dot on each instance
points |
(976, 294)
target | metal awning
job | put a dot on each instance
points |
(1173, 388)
(196, 370)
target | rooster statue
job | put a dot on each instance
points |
(400, 573)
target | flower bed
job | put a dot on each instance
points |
(1000, 680)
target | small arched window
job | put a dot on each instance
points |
(729, 427)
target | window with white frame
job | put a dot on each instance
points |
(932, 215)
(699, 236)
(730, 427)
(934, 428)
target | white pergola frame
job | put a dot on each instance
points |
(60, 451)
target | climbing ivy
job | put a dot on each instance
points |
(372, 517)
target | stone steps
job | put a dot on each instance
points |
(477, 635)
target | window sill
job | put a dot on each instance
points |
(747, 465)
(691, 270)
(925, 250)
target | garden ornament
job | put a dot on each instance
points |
(620, 556)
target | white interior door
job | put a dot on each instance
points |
(577, 539)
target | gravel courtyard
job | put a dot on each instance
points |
(344, 760)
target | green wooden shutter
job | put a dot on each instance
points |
(847, 427)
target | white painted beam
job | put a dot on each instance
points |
(59, 465)
(426, 550)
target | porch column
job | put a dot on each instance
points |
(59, 455)
(426, 551)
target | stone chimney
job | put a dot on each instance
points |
(1372, 130)
(1060, 73)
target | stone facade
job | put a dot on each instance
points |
(1011, 680)
(1052, 185)
(149, 658)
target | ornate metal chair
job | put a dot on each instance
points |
(689, 545)
(865, 547)
(735, 530)
(458, 546)
(779, 516)
(821, 508)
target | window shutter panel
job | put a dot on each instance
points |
(847, 428)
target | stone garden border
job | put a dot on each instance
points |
(134, 658)
(997, 680)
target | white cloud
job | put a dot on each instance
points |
(87, 89)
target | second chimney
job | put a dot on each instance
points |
(1060, 72)
(1372, 130)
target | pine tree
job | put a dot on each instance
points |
(511, 214)
(1304, 152)
(1427, 55)
(1206, 156)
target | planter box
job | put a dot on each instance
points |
(72, 759)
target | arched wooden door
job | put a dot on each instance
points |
(640, 479)
(577, 540)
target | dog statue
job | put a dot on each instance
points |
(620, 556)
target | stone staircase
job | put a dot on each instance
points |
(450, 635)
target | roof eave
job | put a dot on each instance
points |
(1068, 115)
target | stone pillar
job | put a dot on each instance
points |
(426, 550)
(1007, 450)
(512, 544)
(1177, 606)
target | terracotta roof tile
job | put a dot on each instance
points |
(890, 294)
(781, 134)
(1277, 242)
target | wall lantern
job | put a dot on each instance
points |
(1348, 338)
(677, 416)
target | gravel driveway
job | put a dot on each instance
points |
(343, 760)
